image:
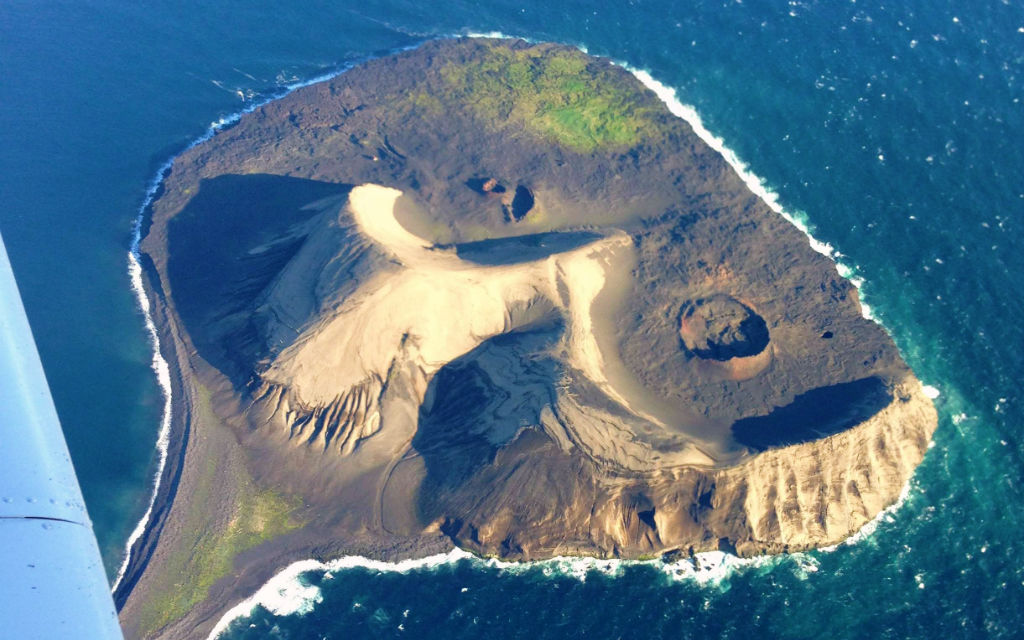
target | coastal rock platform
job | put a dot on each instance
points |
(491, 294)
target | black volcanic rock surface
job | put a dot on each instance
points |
(575, 331)
(698, 230)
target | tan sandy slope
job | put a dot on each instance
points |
(442, 307)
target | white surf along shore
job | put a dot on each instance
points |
(287, 594)
(159, 365)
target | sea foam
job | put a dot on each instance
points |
(288, 594)
(757, 185)
(159, 365)
(163, 379)
(887, 515)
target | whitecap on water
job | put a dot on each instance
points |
(288, 594)
(757, 185)
(159, 365)
(885, 515)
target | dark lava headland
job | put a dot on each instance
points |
(494, 295)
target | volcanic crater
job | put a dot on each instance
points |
(494, 294)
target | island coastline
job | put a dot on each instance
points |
(177, 345)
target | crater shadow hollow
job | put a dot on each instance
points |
(225, 247)
(819, 413)
(478, 403)
(526, 248)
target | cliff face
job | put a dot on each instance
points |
(497, 293)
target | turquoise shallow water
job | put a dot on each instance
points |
(894, 130)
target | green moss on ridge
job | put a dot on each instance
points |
(207, 552)
(559, 94)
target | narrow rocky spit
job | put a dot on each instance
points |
(494, 295)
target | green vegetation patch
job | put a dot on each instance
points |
(561, 95)
(206, 553)
(263, 515)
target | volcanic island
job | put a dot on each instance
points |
(494, 295)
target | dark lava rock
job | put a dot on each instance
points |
(764, 412)
(721, 328)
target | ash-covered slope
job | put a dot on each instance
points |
(496, 293)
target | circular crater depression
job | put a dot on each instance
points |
(721, 328)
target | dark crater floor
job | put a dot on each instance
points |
(815, 414)
(721, 328)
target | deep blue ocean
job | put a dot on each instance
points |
(896, 130)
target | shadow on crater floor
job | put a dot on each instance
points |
(479, 402)
(517, 249)
(816, 414)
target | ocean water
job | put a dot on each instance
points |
(893, 131)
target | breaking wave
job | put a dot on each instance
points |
(757, 185)
(159, 365)
(163, 379)
(287, 593)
